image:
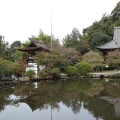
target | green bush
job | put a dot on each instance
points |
(83, 68)
(45, 72)
(71, 71)
(7, 68)
(30, 73)
(55, 72)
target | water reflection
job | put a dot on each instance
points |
(80, 99)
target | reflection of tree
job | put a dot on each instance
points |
(73, 94)
(101, 109)
(113, 88)
(52, 93)
(75, 105)
(24, 90)
(4, 97)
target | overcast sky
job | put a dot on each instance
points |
(22, 18)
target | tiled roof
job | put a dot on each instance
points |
(35, 45)
(29, 49)
(110, 45)
(40, 44)
(115, 43)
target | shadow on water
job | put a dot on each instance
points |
(100, 97)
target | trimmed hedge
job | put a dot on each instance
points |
(55, 72)
(45, 72)
(71, 71)
(84, 68)
(30, 73)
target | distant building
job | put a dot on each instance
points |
(34, 47)
(115, 102)
(112, 45)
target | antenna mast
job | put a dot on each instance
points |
(51, 26)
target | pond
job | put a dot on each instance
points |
(61, 100)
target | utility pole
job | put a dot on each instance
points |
(51, 26)
(51, 112)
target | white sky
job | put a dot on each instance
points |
(22, 18)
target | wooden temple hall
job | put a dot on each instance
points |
(34, 47)
(112, 45)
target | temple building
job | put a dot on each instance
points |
(34, 47)
(112, 45)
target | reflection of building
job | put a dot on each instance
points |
(32, 49)
(33, 104)
(117, 109)
(112, 45)
(115, 102)
(36, 84)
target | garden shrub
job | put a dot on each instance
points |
(30, 73)
(83, 68)
(71, 71)
(55, 72)
(7, 68)
(45, 72)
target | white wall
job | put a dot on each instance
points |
(33, 66)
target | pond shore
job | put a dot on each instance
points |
(13, 82)
(105, 74)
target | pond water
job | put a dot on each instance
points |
(61, 100)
